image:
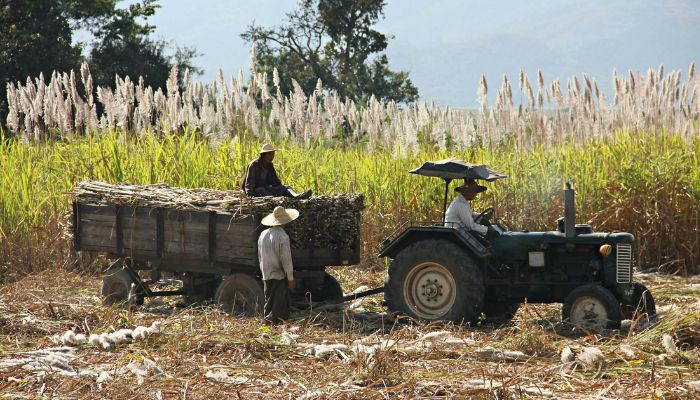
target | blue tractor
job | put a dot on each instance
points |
(441, 271)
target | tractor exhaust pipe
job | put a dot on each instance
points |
(569, 211)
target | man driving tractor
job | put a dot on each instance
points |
(460, 213)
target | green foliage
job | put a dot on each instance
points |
(332, 40)
(644, 184)
(36, 37)
(124, 47)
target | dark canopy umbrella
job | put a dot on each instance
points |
(453, 168)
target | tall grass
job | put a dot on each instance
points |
(645, 184)
(559, 113)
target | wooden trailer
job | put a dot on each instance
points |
(213, 253)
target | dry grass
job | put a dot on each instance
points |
(570, 112)
(202, 353)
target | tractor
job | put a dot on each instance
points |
(441, 271)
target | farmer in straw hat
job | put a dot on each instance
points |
(261, 178)
(459, 213)
(275, 255)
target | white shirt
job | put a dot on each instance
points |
(460, 212)
(275, 254)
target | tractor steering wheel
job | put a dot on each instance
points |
(484, 216)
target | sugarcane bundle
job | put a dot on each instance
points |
(155, 196)
(324, 221)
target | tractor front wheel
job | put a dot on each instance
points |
(592, 307)
(435, 280)
(643, 305)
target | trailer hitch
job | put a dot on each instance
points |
(355, 296)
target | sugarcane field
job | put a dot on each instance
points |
(311, 226)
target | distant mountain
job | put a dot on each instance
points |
(447, 45)
(591, 37)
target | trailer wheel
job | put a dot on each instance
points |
(592, 307)
(643, 305)
(240, 294)
(200, 289)
(329, 289)
(435, 279)
(498, 311)
(116, 284)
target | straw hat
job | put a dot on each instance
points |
(470, 188)
(267, 147)
(280, 216)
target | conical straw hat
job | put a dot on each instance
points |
(267, 147)
(280, 216)
(470, 187)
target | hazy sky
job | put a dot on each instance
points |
(446, 45)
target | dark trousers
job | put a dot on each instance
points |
(276, 300)
(273, 191)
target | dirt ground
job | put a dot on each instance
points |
(355, 352)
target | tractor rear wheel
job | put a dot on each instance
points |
(240, 294)
(435, 279)
(592, 307)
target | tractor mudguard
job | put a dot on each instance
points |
(411, 235)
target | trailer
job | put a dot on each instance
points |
(213, 253)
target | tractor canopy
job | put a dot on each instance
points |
(453, 168)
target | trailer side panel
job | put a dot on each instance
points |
(185, 237)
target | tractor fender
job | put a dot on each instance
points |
(461, 237)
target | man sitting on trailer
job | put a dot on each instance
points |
(261, 178)
(275, 256)
(459, 213)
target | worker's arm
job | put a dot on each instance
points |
(286, 260)
(465, 215)
(250, 179)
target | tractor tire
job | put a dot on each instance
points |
(435, 280)
(116, 284)
(643, 304)
(592, 307)
(499, 312)
(240, 294)
(328, 290)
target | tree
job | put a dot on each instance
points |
(36, 36)
(124, 47)
(332, 40)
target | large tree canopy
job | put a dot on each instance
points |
(332, 40)
(36, 36)
(124, 47)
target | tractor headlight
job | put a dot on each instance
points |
(605, 250)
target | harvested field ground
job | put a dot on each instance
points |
(358, 352)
